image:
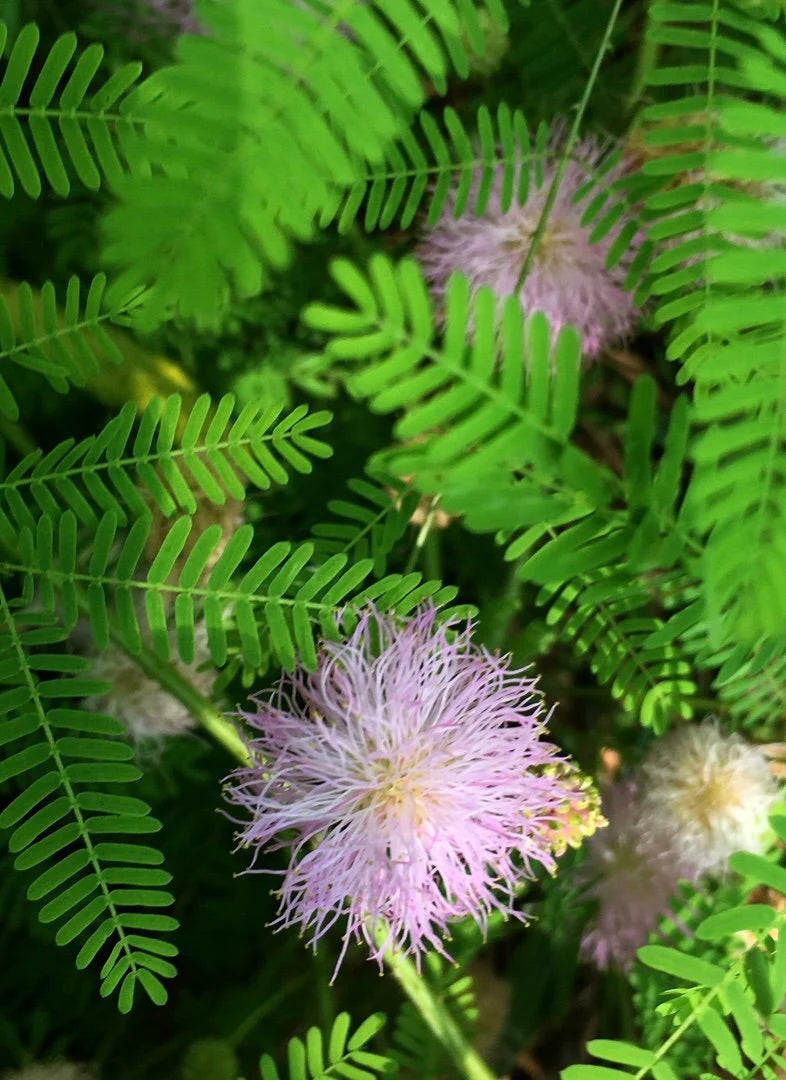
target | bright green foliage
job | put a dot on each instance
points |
(293, 595)
(430, 167)
(480, 390)
(65, 347)
(102, 890)
(722, 214)
(286, 118)
(339, 1054)
(294, 107)
(214, 454)
(732, 985)
(493, 422)
(755, 693)
(72, 125)
(466, 164)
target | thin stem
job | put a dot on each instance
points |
(423, 535)
(440, 1022)
(16, 435)
(646, 62)
(199, 707)
(565, 156)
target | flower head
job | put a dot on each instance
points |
(61, 1070)
(631, 874)
(141, 704)
(568, 280)
(711, 792)
(150, 22)
(409, 775)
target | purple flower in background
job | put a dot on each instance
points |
(409, 777)
(632, 874)
(177, 14)
(568, 279)
(150, 21)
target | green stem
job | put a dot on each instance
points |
(646, 61)
(569, 144)
(16, 435)
(423, 534)
(440, 1022)
(199, 707)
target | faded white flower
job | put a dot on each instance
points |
(143, 706)
(712, 793)
(59, 1070)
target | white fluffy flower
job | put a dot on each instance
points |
(141, 704)
(711, 792)
(63, 1070)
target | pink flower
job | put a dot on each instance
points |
(409, 777)
(569, 279)
(176, 15)
(632, 874)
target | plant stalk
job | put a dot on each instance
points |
(569, 144)
(440, 1022)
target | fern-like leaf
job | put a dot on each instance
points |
(171, 454)
(721, 280)
(319, 104)
(340, 1053)
(284, 588)
(728, 995)
(467, 409)
(65, 346)
(97, 884)
(66, 121)
(368, 526)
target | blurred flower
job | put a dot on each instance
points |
(568, 279)
(495, 44)
(712, 793)
(407, 774)
(632, 875)
(62, 1070)
(149, 22)
(177, 15)
(140, 703)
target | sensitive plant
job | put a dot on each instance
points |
(617, 526)
(566, 273)
(408, 776)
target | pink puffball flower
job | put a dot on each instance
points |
(409, 778)
(568, 279)
(632, 874)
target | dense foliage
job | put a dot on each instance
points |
(311, 307)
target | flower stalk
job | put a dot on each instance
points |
(440, 1022)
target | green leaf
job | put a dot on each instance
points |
(691, 968)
